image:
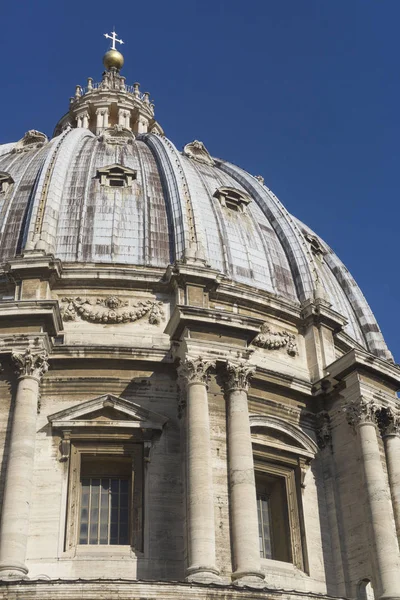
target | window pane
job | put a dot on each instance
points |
(104, 514)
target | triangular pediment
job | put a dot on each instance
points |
(107, 411)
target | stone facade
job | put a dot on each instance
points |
(198, 388)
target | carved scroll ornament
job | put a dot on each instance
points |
(274, 340)
(111, 310)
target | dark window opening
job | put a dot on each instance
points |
(105, 500)
(273, 517)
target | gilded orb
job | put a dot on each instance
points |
(113, 59)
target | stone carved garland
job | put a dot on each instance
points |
(274, 340)
(111, 310)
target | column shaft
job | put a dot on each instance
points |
(18, 483)
(384, 543)
(242, 485)
(243, 499)
(200, 497)
(201, 520)
(392, 448)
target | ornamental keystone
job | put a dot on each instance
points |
(238, 376)
(195, 370)
(31, 364)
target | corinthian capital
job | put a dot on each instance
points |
(31, 364)
(238, 376)
(388, 421)
(359, 412)
(195, 370)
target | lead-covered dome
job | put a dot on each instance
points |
(109, 187)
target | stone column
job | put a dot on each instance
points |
(389, 424)
(105, 118)
(200, 497)
(383, 545)
(121, 117)
(99, 121)
(242, 487)
(14, 530)
(85, 120)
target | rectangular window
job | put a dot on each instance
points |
(105, 495)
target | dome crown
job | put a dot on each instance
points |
(111, 102)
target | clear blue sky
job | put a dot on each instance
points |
(304, 92)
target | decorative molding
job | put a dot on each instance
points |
(111, 310)
(30, 364)
(238, 376)
(32, 139)
(323, 430)
(359, 412)
(116, 175)
(315, 245)
(274, 340)
(121, 413)
(232, 198)
(117, 135)
(388, 421)
(199, 152)
(5, 181)
(302, 443)
(195, 370)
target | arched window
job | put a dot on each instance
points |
(282, 454)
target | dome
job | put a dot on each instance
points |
(192, 381)
(162, 206)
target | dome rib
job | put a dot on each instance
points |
(172, 174)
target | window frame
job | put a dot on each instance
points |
(78, 448)
(270, 463)
(282, 449)
(126, 423)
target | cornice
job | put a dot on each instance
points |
(319, 312)
(361, 360)
(185, 316)
(29, 312)
(119, 353)
(33, 264)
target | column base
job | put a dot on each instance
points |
(250, 578)
(13, 571)
(203, 574)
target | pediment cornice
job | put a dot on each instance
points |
(107, 411)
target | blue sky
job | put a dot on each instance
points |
(303, 92)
